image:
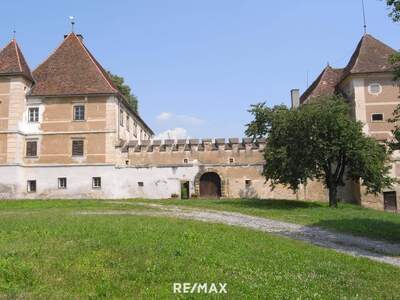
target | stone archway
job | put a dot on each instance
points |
(209, 184)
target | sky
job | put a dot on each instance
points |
(197, 66)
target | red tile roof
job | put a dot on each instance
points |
(370, 56)
(71, 70)
(12, 61)
(324, 85)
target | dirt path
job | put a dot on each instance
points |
(356, 246)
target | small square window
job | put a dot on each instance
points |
(79, 113)
(96, 182)
(31, 148)
(31, 186)
(127, 162)
(77, 148)
(62, 183)
(377, 117)
(185, 161)
(33, 114)
(247, 182)
(231, 160)
(140, 183)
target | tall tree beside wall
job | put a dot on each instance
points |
(318, 141)
(125, 90)
(394, 6)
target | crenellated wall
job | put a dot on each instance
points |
(194, 151)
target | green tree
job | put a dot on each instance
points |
(318, 141)
(394, 6)
(125, 90)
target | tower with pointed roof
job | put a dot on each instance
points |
(75, 97)
(15, 81)
(367, 83)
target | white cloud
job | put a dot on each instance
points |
(176, 133)
(171, 117)
(164, 116)
(190, 120)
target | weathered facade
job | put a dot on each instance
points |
(67, 132)
(367, 82)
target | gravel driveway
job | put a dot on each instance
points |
(345, 243)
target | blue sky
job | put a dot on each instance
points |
(198, 65)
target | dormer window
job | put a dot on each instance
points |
(374, 89)
(33, 114)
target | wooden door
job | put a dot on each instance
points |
(390, 201)
(210, 185)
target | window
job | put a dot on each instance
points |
(390, 201)
(31, 186)
(31, 148)
(77, 148)
(127, 162)
(127, 123)
(247, 182)
(79, 113)
(374, 88)
(231, 160)
(135, 129)
(96, 182)
(62, 183)
(140, 183)
(185, 160)
(377, 117)
(33, 114)
(121, 117)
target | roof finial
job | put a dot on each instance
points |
(72, 20)
(14, 34)
(365, 23)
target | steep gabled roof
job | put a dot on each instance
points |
(71, 70)
(324, 85)
(12, 61)
(370, 56)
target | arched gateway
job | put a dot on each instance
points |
(210, 185)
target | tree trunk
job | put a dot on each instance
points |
(333, 196)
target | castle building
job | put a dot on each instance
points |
(367, 82)
(66, 131)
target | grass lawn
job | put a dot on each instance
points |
(347, 218)
(47, 251)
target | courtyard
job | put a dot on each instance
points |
(118, 249)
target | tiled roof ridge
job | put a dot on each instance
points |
(21, 67)
(97, 64)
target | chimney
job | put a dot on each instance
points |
(295, 95)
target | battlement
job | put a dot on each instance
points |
(193, 145)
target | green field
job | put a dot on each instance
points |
(348, 218)
(49, 251)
